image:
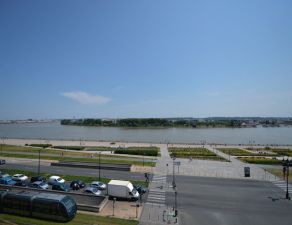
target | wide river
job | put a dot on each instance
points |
(260, 135)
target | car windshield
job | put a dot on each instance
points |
(59, 179)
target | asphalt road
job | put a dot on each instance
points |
(219, 201)
(111, 174)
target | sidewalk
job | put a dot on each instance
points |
(222, 169)
(155, 211)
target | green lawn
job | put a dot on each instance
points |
(84, 157)
(279, 172)
(234, 151)
(195, 153)
(80, 219)
(260, 160)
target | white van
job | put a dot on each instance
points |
(122, 189)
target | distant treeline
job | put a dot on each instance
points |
(151, 122)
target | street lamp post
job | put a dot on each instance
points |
(173, 177)
(39, 166)
(287, 164)
(2, 142)
(114, 201)
(175, 203)
(99, 166)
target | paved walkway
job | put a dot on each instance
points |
(232, 169)
(155, 210)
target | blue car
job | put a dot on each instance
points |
(7, 181)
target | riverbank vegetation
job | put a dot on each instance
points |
(152, 123)
(194, 153)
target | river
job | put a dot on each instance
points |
(53, 130)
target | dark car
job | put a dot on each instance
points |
(77, 184)
(39, 185)
(2, 161)
(141, 189)
(37, 178)
(60, 187)
(20, 183)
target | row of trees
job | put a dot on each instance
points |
(151, 122)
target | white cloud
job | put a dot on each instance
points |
(85, 98)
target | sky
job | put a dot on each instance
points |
(166, 58)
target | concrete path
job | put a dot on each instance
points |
(155, 211)
(223, 169)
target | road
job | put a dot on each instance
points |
(111, 174)
(220, 201)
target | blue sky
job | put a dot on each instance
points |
(65, 59)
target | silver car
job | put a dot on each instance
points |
(92, 190)
(99, 185)
(39, 184)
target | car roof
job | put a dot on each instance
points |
(37, 182)
(90, 188)
(54, 177)
(18, 175)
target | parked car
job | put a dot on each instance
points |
(2, 161)
(20, 183)
(19, 177)
(56, 179)
(141, 189)
(37, 178)
(92, 190)
(77, 184)
(4, 175)
(39, 185)
(99, 185)
(7, 180)
(60, 187)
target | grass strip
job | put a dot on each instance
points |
(64, 158)
(195, 153)
(260, 160)
(278, 172)
(13, 148)
(78, 220)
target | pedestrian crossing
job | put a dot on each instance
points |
(156, 195)
(283, 185)
(159, 178)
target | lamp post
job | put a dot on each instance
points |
(114, 201)
(173, 177)
(39, 166)
(2, 142)
(99, 166)
(175, 203)
(287, 164)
